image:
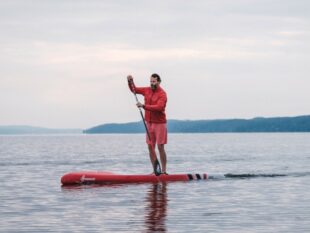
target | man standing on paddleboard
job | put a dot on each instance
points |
(155, 100)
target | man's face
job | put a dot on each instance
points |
(154, 83)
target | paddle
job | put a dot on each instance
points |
(156, 166)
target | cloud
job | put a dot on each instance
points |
(70, 58)
(74, 54)
(294, 33)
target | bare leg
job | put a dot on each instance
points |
(163, 157)
(152, 153)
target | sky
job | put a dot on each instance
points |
(63, 63)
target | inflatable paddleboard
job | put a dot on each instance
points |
(92, 177)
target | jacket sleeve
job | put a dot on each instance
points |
(159, 106)
(137, 90)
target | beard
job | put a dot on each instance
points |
(154, 87)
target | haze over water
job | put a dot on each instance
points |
(268, 188)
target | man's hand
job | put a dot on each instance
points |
(139, 105)
(129, 78)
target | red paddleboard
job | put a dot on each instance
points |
(91, 177)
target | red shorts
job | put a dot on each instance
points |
(158, 133)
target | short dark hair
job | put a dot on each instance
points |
(156, 76)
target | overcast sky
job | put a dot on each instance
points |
(63, 63)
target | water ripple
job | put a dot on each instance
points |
(266, 187)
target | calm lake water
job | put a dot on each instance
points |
(268, 189)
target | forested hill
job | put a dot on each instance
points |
(259, 124)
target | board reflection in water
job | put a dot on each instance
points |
(156, 208)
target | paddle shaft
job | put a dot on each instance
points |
(147, 131)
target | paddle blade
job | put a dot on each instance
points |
(157, 168)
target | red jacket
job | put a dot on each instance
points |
(154, 103)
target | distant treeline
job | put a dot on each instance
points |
(259, 124)
(24, 129)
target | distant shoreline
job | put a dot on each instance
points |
(255, 125)
(33, 130)
(298, 124)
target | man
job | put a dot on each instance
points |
(155, 100)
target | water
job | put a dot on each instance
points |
(267, 189)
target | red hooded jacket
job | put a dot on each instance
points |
(154, 102)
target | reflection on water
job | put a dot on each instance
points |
(156, 208)
(155, 201)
